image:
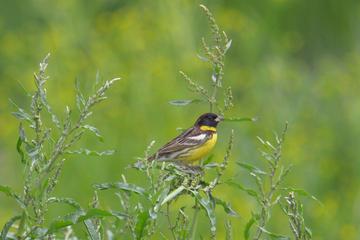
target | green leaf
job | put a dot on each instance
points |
(141, 225)
(274, 235)
(20, 140)
(119, 215)
(173, 194)
(98, 80)
(95, 131)
(249, 191)
(91, 229)
(122, 186)
(81, 216)
(154, 211)
(228, 45)
(95, 213)
(88, 152)
(8, 225)
(65, 221)
(302, 192)
(202, 58)
(59, 224)
(238, 119)
(208, 159)
(184, 102)
(211, 165)
(227, 207)
(22, 115)
(80, 100)
(69, 201)
(248, 226)
(7, 190)
(10, 193)
(308, 232)
(228, 228)
(207, 204)
(251, 168)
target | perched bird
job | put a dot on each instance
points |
(193, 144)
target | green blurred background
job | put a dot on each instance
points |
(291, 60)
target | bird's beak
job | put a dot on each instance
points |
(219, 118)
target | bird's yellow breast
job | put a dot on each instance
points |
(201, 151)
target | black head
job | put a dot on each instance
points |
(208, 119)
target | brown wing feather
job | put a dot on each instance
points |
(179, 143)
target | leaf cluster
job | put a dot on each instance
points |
(166, 183)
(269, 193)
(42, 146)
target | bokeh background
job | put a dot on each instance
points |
(291, 60)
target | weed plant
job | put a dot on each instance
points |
(45, 139)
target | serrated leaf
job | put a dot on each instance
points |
(88, 152)
(8, 225)
(95, 131)
(184, 102)
(121, 185)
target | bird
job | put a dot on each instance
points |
(193, 144)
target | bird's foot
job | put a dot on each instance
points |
(190, 169)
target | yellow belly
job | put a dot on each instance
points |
(200, 152)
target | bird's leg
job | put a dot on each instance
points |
(190, 169)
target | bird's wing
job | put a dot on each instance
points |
(188, 139)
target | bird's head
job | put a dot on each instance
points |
(209, 120)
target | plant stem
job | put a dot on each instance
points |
(171, 227)
(212, 100)
(194, 221)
